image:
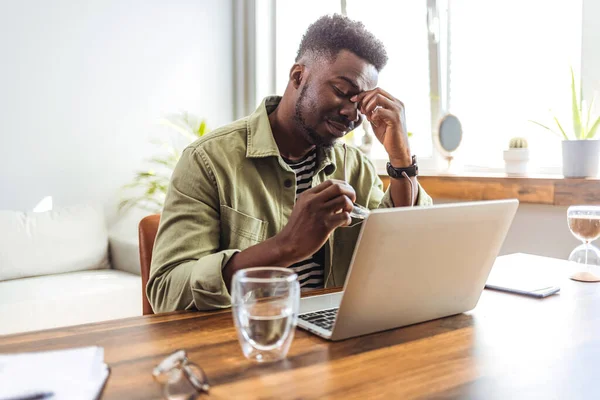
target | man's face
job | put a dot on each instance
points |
(324, 111)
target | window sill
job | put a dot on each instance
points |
(535, 189)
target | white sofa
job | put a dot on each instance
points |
(62, 268)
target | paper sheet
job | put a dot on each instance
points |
(77, 373)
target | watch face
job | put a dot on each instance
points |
(391, 171)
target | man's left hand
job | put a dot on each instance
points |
(386, 115)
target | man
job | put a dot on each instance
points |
(276, 188)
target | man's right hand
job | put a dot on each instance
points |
(318, 211)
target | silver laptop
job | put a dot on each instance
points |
(412, 265)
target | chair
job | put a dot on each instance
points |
(147, 234)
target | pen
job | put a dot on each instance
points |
(34, 396)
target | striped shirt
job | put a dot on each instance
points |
(310, 271)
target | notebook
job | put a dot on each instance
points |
(78, 373)
(528, 280)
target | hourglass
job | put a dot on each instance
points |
(584, 223)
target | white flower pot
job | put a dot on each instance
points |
(516, 161)
(580, 158)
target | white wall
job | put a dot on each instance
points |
(537, 229)
(83, 82)
(590, 52)
(542, 230)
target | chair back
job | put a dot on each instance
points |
(147, 234)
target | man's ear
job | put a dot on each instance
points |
(297, 74)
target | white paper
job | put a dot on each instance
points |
(77, 373)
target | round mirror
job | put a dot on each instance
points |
(449, 136)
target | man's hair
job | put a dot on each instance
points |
(331, 34)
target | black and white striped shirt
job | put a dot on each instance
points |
(310, 271)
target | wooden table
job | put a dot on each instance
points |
(509, 347)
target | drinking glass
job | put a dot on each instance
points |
(265, 303)
(584, 223)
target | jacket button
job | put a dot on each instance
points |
(287, 183)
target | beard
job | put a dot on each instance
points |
(309, 132)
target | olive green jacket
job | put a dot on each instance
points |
(231, 190)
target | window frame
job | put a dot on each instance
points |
(438, 25)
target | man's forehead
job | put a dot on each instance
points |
(357, 72)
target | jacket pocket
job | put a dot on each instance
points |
(239, 230)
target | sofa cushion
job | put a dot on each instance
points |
(123, 241)
(125, 254)
(46, 302)
(53, 242)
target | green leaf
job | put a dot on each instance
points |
(180, 124)
(550, 129)
(189, 125)
(202, 129)
(152, 184)
(125, 205)
(579, 134)
(132, 185)
(168, 162)
(561, 128)
(593, 129)
(589, 114)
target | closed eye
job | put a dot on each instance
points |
(339, 92)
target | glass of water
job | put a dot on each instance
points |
(265, 303)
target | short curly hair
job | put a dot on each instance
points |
(331, 34)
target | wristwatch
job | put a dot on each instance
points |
(412, 170)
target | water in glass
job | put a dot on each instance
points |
(265, 309)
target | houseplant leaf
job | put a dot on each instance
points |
(169, 161)
(180, 124)
(201, 129)
(148, 188)
(593, 129)
(579, 134)
(550, 129)
(589, 117)
(561, 128)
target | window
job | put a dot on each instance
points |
(402, 27)
(403, 30)
(501, 64)
(292, 20)
(509, 63)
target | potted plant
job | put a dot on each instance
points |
(579, 151)
(516, 157)
(148, 189)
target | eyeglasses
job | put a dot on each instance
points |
(182, 379)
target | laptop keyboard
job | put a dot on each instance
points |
(322, 318)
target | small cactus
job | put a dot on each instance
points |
(517, 143)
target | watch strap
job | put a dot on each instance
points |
(395, 172)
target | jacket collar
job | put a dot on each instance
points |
(260, 140)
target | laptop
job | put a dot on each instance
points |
(412, 265)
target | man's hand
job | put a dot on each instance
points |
(386, 115)
(316, 214)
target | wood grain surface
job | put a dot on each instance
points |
(535, 190)
(509, 347)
